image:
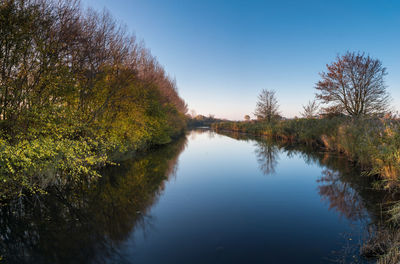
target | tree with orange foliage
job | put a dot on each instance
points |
(354, 85)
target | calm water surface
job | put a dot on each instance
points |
(208, 198)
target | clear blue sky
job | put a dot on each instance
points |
(223, 53)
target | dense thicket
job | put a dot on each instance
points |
(74, 88)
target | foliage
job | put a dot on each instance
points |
(354, 84)
(75, 88)
(33, 165)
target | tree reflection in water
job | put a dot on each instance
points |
(340, 195)
(341, 185)
(267, 156)
(87, 223)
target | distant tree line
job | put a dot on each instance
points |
(202, 121)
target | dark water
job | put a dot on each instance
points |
(207, 198)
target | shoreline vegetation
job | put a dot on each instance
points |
(76, 93)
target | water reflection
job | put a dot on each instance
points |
(87, 223)
(341, 185)
(91, 223)
(267, 156)
(353, 197)
(341, 196)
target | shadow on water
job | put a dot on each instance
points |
(88, 223)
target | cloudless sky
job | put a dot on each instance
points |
(223, 53)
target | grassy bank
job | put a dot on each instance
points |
(373, 143)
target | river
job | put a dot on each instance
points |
(206, 198)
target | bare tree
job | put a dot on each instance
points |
(310, 110)
(354, 84)
(267, 107)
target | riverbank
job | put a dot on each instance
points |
(33, 164)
